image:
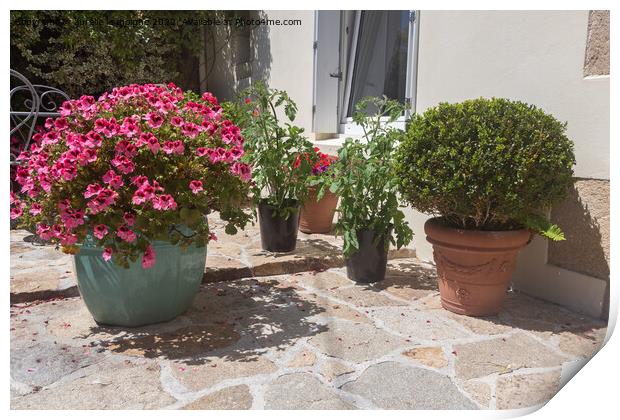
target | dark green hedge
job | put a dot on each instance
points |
(485, 163)
(92, 51)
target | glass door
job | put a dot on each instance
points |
(381, 61)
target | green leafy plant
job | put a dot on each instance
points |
(487, 164)
(274, 146)
(364, 180)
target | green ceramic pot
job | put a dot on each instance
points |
(135, 296)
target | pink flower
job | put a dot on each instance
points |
(35, 209)
(174, 147)
(139, 197)
(102, 201)
(66, 108)
(92, 190)
(164, 202)
(154, 120)
(44, 231)
(100, 231)
(144, 192)
(236, 153)
(138, 180)
(107, 254)
(176, 121)
(45, 182)
(72, 218)
(207, 96)
(126, 234)
(168, 147)
(101, 124)
(61, 123)
(87, 156)
(179, 147)
(123, 164)
(129, 218)
(68, 239)
(196, 186)
(17, 211)
(148, 259)
(57, 231)
(129, 128)
(93, 139)
(153, 144)
(241, 170)
(191, 130)
(201, 151)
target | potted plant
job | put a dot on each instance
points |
(489, 169)
(124, 183)
(369, 214)
(317, 212)
(273, 149)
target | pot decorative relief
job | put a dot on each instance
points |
(474, 267)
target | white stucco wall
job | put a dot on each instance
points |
(536, 57)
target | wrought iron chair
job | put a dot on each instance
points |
(28, 103)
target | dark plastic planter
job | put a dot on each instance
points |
(278, 234)
(369, 263)
(135, 296)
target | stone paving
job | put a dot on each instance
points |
(306, 340)
(230, 257)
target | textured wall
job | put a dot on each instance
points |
(597, 47)
(584, 218)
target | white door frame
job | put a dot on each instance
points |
(347, 126)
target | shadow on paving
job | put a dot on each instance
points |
(519, 310)
(235, 320)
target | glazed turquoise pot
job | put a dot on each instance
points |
(136, 296)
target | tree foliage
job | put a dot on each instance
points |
(92, 51)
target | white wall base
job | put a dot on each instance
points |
(574, 290)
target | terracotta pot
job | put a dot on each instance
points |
(317, 216)
(474, 267)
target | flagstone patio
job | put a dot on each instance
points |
(287, 332)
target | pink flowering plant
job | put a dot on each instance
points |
(141, 163)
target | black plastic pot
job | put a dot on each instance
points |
(278, 234)
(369, 263)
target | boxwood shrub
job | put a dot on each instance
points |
(486, 164)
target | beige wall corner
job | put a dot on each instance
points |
(584, 218)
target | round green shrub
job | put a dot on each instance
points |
(486, 164)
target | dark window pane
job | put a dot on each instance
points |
(381, 56)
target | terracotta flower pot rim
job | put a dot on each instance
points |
(438, 233)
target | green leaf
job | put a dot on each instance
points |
(544, 227)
